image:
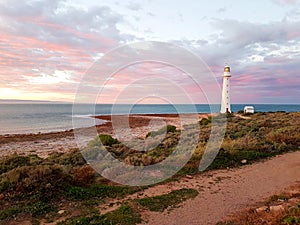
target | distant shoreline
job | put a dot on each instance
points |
(45, 144)
(104, 117)
(45, 118)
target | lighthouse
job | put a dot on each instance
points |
(225, 105)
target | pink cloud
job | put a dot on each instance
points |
(37, 41)
(154, 80)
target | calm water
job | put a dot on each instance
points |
(34, 118)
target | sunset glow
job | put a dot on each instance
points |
(46, 47)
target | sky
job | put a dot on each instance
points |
(48, 47)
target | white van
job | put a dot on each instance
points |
(248, 109)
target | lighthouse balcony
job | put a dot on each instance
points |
(227, 74)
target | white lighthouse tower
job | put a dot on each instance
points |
(225, 105)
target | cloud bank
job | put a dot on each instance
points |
(47, 46)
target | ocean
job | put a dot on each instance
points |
(35, 118)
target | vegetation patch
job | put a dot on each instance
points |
(103, 139)
(99, 191)
(226, 159)
(260, 136)
(161, 202)
(164, 130)
(124, 215)
(36, 187)
(205, 121)
(291, 220)
(9, 213)
(12, 162)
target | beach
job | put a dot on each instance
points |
(45, 144)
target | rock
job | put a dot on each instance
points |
(189, 176)
(244, 161)
(262, 209)
(276, 208)
(60, 212)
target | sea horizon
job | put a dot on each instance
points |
(18, 118)
(19, 101)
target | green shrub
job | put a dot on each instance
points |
(41, 183)
(124, 215)
(283, 135)
(74, 158)
(38, 208)
(291, 220)
(188, 170)
(231, 159)
(9, 212)
(171, 129)
(4, 184)
(13, 161)
(107, 140)
(161, 202)
(163, 130)
(84, 175)
(205, 121)
(98, 191)
(103, 139)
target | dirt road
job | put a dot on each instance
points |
(225, 192)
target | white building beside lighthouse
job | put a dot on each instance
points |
(225, 104)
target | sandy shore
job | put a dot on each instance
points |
(44, 144)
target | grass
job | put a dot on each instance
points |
(162, 202)
(38, 186)
(12, 162)
(35, 209)
(9, 213)
(99, 191)
(261, 136)
(291, 220)
(34, 187)
(124, 215)
(224, 160)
